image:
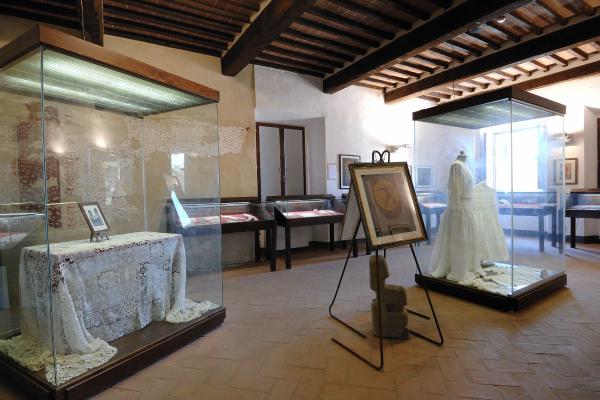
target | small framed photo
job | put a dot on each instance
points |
(345, 160)
(95, 219)
(388, 204)
(424, 176)
(567, 172)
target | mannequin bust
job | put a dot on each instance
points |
(462, 156)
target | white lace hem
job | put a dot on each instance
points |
(191, 310)
(32, 355)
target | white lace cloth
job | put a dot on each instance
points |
(504, 280)
(100, 291)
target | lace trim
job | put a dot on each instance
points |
(32, 355)
(191, 310)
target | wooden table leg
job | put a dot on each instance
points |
(273, 248)
(288, 248)
(541, 232)
(553, 228)
(573, 232)
(331, 237)
(257, 245)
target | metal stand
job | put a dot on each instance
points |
(379, 367)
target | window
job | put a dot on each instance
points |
(524, 160)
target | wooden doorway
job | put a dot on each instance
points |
(280, 159)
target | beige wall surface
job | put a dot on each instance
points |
(236, 106)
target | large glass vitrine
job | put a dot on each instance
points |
(82, 124)
(489, 175)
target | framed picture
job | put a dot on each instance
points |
(345, 160)
(424, 176)
(567, 172)
(95, 219)
(388, 204)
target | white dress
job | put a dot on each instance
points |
(469, 230)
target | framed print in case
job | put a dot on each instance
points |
(345, 160)
(388, 204)
(95, 219)
(423, 176)
(566, 173)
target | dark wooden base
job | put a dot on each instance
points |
(493, 300)
(130, 359)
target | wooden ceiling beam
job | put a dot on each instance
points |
(330, 30)
(491, 43)
(408, 9)
(450, 54)
(434, 61)
(562, 75)
(465, 88)
(481, 85)
(405, 72)
(538, 46)
(580, 53)
(510, 76)
(274, 19)
(302, 71)
(160, 14)
(429, 98)
(380, 81)
(559, 59)
(295, 63)
(39, 14)
(504, 30)
(135, 19)
(251, 6)
(366, 85)
(361, 9)
(466, 47)
(303, 57)
(523, 70)
(212, 9)
(91, 14)
(350, 23)
(419, 67)
(559, 18)
(322, 51)
(531, 26)
(391, 77)
(456, 20)
(328, 43)
(442, 3)
(541, 65)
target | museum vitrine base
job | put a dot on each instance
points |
(514, 302)
(162, 339)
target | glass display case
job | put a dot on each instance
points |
(294, 211)
(488, 171)
(201, 216)
(85, 127)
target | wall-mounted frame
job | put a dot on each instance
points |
(344, 161)
(423, 176)
(388, 204)
(567, 173)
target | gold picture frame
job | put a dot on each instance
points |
(388, 204)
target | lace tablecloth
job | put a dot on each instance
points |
(100, 291)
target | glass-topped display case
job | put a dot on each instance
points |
(294, 211)
(87, 139)
(488, 171)
(201, 216)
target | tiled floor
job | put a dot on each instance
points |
(276, 342)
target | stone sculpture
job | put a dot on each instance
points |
(393, 300)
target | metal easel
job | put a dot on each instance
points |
(377, 157)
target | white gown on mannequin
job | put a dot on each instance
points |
(469, 230)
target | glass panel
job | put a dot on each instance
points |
(294, 162)
(71, 79)
(270, 162)
(310, 207)
(118, 175)
(493, 212)
(25, 303)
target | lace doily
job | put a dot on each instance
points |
(191, 310)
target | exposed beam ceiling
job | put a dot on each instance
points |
(91, 13)
(277, 16)
(437, 30)
(540, 45)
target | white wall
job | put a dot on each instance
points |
(353, 121)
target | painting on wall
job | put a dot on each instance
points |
(424, 176)
(345, 160)
(567, 172)
(388, 204)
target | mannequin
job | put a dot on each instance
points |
(469, 230)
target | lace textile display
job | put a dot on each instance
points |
(100, 292)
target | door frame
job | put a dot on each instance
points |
(281, 128)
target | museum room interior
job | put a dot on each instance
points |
(299, 199)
